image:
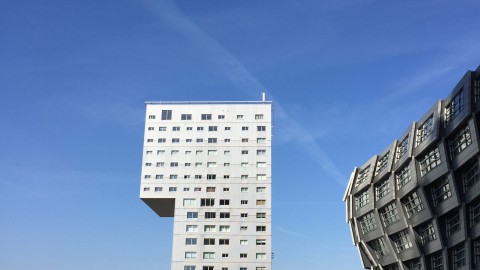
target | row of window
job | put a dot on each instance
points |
(457, 142)
(201, 140)
(194, 215)
(193, 267)
(260, 152)
(167, 115)
(209, 128)
(208, 189)
(211, 202)
(212, 176)
(221, 228)
(211, 255)
(200, 164)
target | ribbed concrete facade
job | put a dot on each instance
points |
(416, 205)
(208, 165)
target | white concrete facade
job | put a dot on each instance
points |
(208, 165)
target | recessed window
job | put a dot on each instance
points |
(209, 215)
(224, 242)
(176, 128)
(224, 215)
(186, 117)
(189, 128)
(441, 191)
(261, 215)
(162, 128)
(243, 242)
(429, 161)
(211, 164)
(212, 128)
(261, 228)
(261, 256)
(162, 140)
(239, 116)
(227, 128)
(221, 116)
(427, 232)
(243, 255)
(453, 109)
(379, 246)
(402, 148)
(150, 128)
(453, 222)
(402, 241)
(382, 163)
(209, 228)
(192, 214)
(212, 140)
(261, 128)
(244, 128)
(402, 177)
(190, 241)
(261, 152)
(209, 255)
(459, 141)
(190, 255)
(212, 152)
(244, 140)
(470, 174)
(382, 189)
(157, 189)
(207, 202)
(189, 202)
(192, 228)
(389, 214)
(166, 114)
(244, 202)
(244, 189)
(199, 128)
(172, 189)
(261, 177)
(457, 255)
(210, 189)
(258, 116)
(261, 202)
(424, 131)
(224, 228)
(224, 202)
(362, 199)
(261, 189)
(367, 223)
(244, 152)
(206, 117)
(412, 204)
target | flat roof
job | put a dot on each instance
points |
(207, 102)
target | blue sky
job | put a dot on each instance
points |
(347, 78)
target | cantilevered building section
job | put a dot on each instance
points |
(208, 165)
(416, 205)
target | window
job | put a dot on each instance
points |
(176, 128)
(367, 223)
(149, 152)
(261, 202)
(192, 214)
(258, 116)
(221, 116)
(261, 177)
(244, 164)
(226, 140)
(228, 128)
(459, 141)
(146, 189)
(425, 130)
(244, 128)
(198, 164)
(186, 176)
(382, 189)
(209, 215)
(243, 228)
(199, 129)
(261, 256)
(379, 246)
(207, 202)
(160, 164)
(157, 189)
(261, 215)
(435, 261)
(224, 255)
(189, 202)
(261, 128)
(190, 241)
(244, 140)
(402, 241)
(261, 152)
(206, 117)
(186, 117)
(189, 267)
(389, 214)
(147, 176)
(224, 228)
(148, 164)
(224, 242)
(427, 232)
(441, 191)
(172, 189)
(243, 215)
(470, 174)
(243, 255)
(382, 163)
(224, 215)
(173, 164)
(403, 177)
(212, 128)
(261, 140)
(212, 152)
(197, 189)
(476, 90)
(149, 140)
(457, 255)
(474, 213)
(226, 177)
(166, 114)
(210, 189)
(190, 255)
(261, 228)
(160, 152)
(188, 152)
(211, 164)
(412, 204)
(259, 268)
(150, 128)
(476, 251)
(186, 189)
(244, 176)
(244, 152)
(362, 199)
(207, 268)
(151, 117)
(224, 202)
(261, 164)
(244, 189)
(243, 202)
(162, 128)
(414, 264)
(209, 241)
(453, 109)
(212, 140)
(188, 164)
(226, 152)
(159, 176)
(362, 175)
(209, 255)
(261, 189)
(209, 228)
(162, 140)
(191, 228)
(261, 242)
(225, 189)
(211, 177)
(453, 222)
(198, 152)
(239, 116)
(189, 128)
(429, 161)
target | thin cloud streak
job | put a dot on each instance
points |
(244, 80)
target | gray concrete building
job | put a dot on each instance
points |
(208, 165)
(416, 205)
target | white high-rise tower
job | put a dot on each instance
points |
(208, 165)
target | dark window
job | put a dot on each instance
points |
(459, 141)
(453, 222)
(429, 161)
(402, 241)
(382, 163)
(166, 114)
(454, 107)
(435, 261)
(379, 246)
(457, 256)
(470, 174)
(362, 175)
(206, 117)
(207, 202)
(424, 130)
(389, 214)
(186, 117)
(427, 232)
(441, 191)
(402, 148)
(413, 204)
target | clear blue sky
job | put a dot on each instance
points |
(347, 78)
